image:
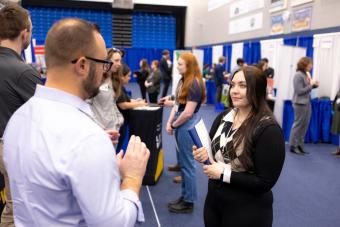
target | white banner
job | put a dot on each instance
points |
(245, 6)
(199, 54)
(236, 52)
(217, 51)
(245, 24)
(214, 4)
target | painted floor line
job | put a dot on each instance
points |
(153, 206)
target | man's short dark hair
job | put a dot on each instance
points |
(239, 61)
(221, 59)
(165, 52)
(265, 60)
(13, 20)
(69, 39)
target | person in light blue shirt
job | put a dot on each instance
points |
(62, 166)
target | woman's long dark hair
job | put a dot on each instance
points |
(256, 95)
(115, 76)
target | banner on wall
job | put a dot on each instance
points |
(245, 24)
(277, 5)
(299, 2)
(245, 6)
(277, 24)
(302, 19)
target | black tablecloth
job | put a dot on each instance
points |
(147, 124)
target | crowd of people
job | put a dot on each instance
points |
(62, 141)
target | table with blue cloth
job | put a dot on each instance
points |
(319, 129)
(211, 91)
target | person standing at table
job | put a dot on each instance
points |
(165, 66)
(153, 82)
(248, 152)
(190, 93)
(218, 78)
(103, 105)
(144, 72)
(125, 104)
(303, 85)
(18, 80)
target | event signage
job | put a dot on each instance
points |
(277, 5)
(277, 24)
(245, 6)
(302, 19)
(245, 24)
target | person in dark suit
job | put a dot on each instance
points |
(303, 85)
(152, 83)
(218, 78)
(18, 80)
(165, 66)
(247, 156)
(144, 72)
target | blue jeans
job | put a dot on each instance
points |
(186, 159)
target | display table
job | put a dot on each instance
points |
(211, 91)
(320, 122)
(146, 122)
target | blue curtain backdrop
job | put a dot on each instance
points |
(134, 55)
(227, 52)
(320, 122)
(252, 52)
(207, 59)
(307, 42)
(303, 41)
(290, 41)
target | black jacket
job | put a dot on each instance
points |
(18, 81)
(165, 69)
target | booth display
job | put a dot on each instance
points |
(320, 122)
(146, 122)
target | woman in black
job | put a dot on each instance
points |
(247, 155)
(144, 72)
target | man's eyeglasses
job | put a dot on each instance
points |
(106, 63)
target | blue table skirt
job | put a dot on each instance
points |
(320, 122)
(211, 91)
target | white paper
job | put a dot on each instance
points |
(203, 134)
(152, 108)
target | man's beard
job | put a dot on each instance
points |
(89, 84)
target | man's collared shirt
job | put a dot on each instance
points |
(17, 84)
(62, 166)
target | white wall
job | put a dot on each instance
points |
(206, 28)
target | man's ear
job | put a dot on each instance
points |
(82, 67)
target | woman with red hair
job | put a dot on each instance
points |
(190, 93)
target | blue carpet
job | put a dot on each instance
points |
(306, 195)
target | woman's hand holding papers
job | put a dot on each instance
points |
(200, 154)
